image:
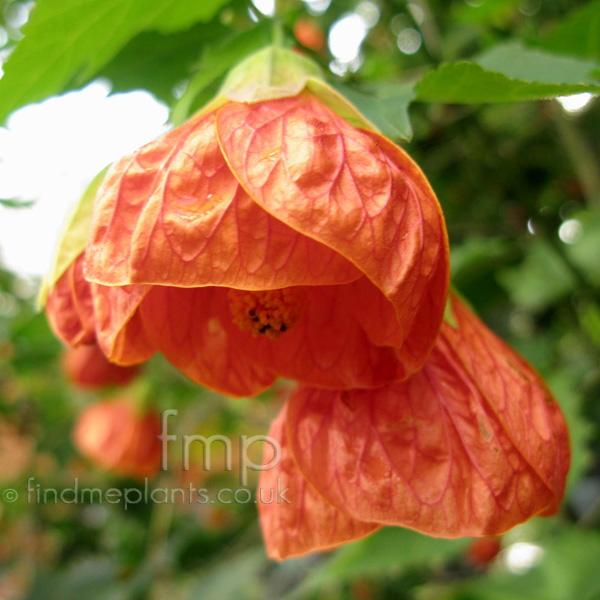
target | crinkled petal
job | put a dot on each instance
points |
(353, 191)
(522, 401)
(374, 313)
(472, 445)
(295, 519)
(194, 329)
(173, 214)
(87, 366)
(119, 329)
(70, 307)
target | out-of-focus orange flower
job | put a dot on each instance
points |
(87, 367)
(270, 239)
(116, 437)
(481, 552)
(309, 34)
(471, 445)
(16, 451)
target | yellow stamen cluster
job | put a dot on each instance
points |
(270, 313)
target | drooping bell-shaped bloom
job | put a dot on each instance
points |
(268, 238)
(117, 436)
(472, 445)
(87, 367)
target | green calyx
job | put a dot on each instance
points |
(73, 238)
(449, 314)
(276, 72)
(268, 74)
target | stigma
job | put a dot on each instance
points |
(270, 313)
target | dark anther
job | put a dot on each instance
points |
(283, 328)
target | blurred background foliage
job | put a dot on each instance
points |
(518, 175)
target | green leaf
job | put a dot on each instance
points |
(66, 39)
(541, 279)
(490, 12)
(564, 383)
(92, 578)
(389, 549)
(157, 62)
(217, 583)
(585, 251)
(468, 83)
(386, 107)
(516, 61)
(216, 61)
(477, 255)
(578, 35)
(568, 569)
(13, 203)
(589, 318)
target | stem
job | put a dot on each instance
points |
(429, 29)
(582, 281)
(582, 156)
(277, 30)
(159, 526)
(141, 391)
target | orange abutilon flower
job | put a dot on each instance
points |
(309, 33)
(472, 445)
(87, 367)
(271, 238)
(278, 234)
(119, 437)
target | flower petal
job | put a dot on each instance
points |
(328, 347)
(185, 325)
(195, 331)
(88, 367)
(472, 445)
(522, 401)
(70, 306)
(353, 191)
(374, 313)
(118, 324)
(173, 214)
(299, 520)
